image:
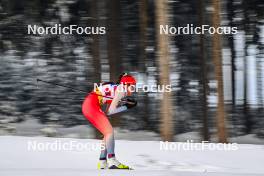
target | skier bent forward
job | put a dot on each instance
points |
(112, 95)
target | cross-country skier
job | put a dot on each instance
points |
(91, 109)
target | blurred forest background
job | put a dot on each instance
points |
(217, 80)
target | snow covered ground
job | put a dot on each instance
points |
(18, 158)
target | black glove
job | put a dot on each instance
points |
(130, 103)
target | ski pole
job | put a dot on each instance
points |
(74, 89)
(60, 85)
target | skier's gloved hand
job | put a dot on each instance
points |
(125, 99)
(130, 103)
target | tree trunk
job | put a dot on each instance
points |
(143, 22)
(260, 63)
(204, 81)
(166, 127)
(217, 57)
(95, 45)
(259, 76)
(230, 9)
(113, 38)
(248, 124)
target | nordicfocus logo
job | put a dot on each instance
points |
(58, 29)
(191, 29)
(59, 145)
(192, 146)
(133, 88)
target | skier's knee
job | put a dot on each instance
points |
(109, 132)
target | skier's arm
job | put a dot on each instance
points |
(117, 110)
(130, 104)
(113, 108)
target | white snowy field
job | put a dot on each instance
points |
(17, 158)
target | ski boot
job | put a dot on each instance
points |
(113, 163)
(102, 164)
